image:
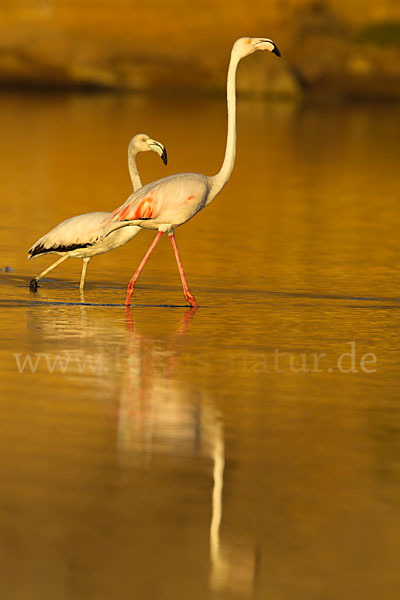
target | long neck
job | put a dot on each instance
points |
(219, 180)
(133, 171)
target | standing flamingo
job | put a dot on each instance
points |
(79, 237)
(167, 203)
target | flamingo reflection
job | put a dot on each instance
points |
(161, 407)
(159, 415)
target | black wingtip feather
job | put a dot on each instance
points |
(40, 249)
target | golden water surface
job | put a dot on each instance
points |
(249, 449)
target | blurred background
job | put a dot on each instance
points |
(333, 48)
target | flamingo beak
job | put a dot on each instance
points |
(276, 51)
(271, 46)
(164, 156)
(160, 149)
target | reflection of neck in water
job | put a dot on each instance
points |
(231, 568)
(218, 566)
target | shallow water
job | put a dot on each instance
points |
(247, 449)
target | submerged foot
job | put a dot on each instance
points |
(129, 293)
(33, 285)
(191, 299)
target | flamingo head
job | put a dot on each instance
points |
(143, 143)
(246, 45)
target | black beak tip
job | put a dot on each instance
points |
(276, 51)
(164, 157)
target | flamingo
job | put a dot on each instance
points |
(167, 203)
(79, 237)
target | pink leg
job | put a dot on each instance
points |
(131, 284)
(187, 293)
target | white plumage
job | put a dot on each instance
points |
(165, 204)
(83, 236)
